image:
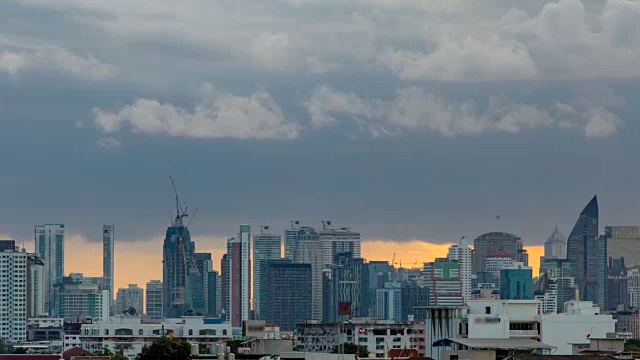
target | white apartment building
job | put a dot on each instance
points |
(154, 300)
(238, 277)
(129, 297)
(36, 287)
(379, 336)
(462, 254)
(266, 246)
(335, 241)
(130, 334)
(49, 239)
(13, 293)
(633, 287)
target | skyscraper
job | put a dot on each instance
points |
(265, 247)
(556, 246)
(462, 254)
(443, 278)
(389, 301)
(178, 252)
(582, 252)
(13, 293)
(35, 286)
(198, 283)
(380, 272)
(49, 239)
(616, 284)
(77, 301)
(212, 293)
(154, 300)
(290, 236)
(624, 241)
(129, 297)
(516, 282)
(346, 281)
(336, 241)
(308, 250)
(239, 277)
(497, 241)
(288, 292)
(108, 261)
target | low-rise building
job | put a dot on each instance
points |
(42, 329)
(379, 336)
(130, 333)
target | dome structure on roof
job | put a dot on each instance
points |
(499, 254)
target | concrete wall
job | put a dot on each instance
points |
(563, 330)
(468, 354)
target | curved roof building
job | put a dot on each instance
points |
(556, 246)
(491, 242)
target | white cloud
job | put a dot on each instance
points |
(270, 50)
(217, 116)
(414, 109)
(108, 143)
(16, 57)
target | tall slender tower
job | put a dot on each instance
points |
(462, 254)
(582, 252)
(239, 277)
(49, 239)
(107, 262)
(290, 236)
(265, 247)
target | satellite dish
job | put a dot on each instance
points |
(131, 311)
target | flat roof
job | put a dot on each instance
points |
(513, 343)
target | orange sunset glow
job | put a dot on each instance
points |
(139, 262)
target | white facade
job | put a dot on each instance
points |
(36, 287)
(130, 297)
(495, 262)
(503, 319)
(108, 262)
(548, 302)
(265, 247)
(13, 296)
(581, 321)
(239, 284)
(290, 238)
(308, 250)
(154, 300)
(130, 334)
(462, 254)
(49, 239)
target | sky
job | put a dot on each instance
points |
(415, 122)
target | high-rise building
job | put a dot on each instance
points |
(129, 297)
(497, 241)
(414, 300)
(380, 272)
(265, 247)
(290, 237)
(198, 283)
(224, 283)
(308, 250)
(389, 301)
(462, 253)
(212, 293)
(624, 241)
(288, 292)
(49, 239)
(345, 282)
(559, 271)
(36, 286)
(154, 300)
(633, 287)
(108, 252)
(516, 282)
(239, 277)
(496, 261)
(442, 276)
(582, 252)
(616, 284)
(177, 252)
(13, 293)
(336, 241)
(556, 246)
(78, 301)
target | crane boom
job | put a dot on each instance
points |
(181, 212)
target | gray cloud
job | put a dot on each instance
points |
(16, 58)
(108, 143)
(217, 116)
(414, 109)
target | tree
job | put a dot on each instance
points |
(110, 354)
(351, 348)
(166, 349)
(632, 345)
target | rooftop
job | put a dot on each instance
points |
(501, 344)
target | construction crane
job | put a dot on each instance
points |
(393, 260)
(180, 260)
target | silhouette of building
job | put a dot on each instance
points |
(491, 242)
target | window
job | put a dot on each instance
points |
(106, 331)
(224, 331)
(487, 310)
(140, 332)
(190, 332)
(521, 326)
